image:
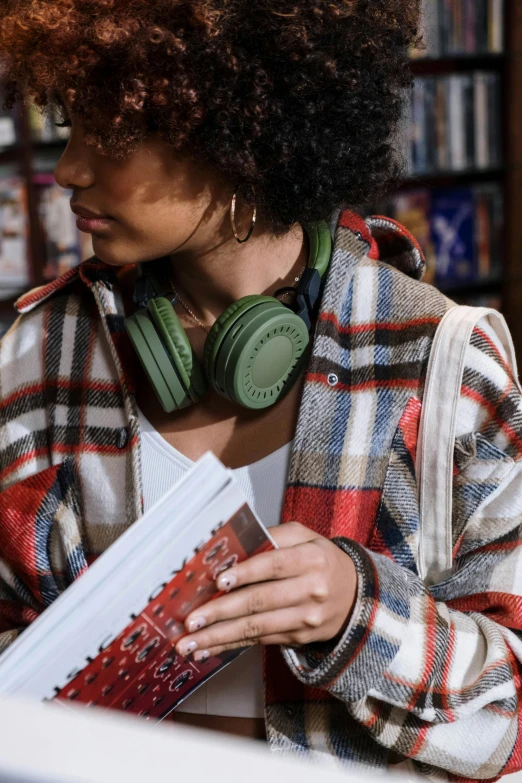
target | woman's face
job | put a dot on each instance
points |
(154, 203)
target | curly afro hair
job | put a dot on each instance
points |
(300, 98)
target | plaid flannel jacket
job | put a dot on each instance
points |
(430, 675)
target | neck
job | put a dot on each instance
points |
(214, 277)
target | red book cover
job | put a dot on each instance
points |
(140, 671)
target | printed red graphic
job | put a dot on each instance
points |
(139, 671)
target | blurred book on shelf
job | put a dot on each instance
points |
(8, 129)
(43, 125)
(65, 245)
(459, 229)
(456, 123)
(14, 262)
(461, 27)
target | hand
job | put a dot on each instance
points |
(300, 593)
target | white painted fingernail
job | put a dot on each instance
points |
(196, 624)
(185, 648)
(201, 655)
(226, 582)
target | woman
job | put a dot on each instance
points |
(287, 111)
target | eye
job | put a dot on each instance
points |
(63, 124)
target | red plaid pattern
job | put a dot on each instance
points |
(429, 675)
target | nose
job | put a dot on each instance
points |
(75, 170)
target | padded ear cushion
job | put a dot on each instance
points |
(223, 324)
(164, 378)
(178, 345)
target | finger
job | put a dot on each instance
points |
(250, 600)
(284, 639)
(272, 566)
(291, 533)
(246, 630)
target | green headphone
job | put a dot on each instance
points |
(255, 350)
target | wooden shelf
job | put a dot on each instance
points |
(458, 64)
(472, 289)
(10, 154)
(443, 179)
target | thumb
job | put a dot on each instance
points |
(291, 534)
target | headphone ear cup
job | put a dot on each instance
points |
(178, 345)
(219, 328)
(255, 351)
(165, 381)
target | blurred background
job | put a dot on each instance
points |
(461, 141)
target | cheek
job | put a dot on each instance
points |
(158, 205)
(143, 231)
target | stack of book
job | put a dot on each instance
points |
(462, 27)
(456, 123)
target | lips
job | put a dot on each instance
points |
(87, 213)
(91, 222)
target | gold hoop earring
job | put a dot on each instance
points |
(233, 218)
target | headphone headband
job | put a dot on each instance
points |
(320, 246)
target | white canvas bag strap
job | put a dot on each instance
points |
(434, 462)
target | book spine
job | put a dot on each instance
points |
(457, 46)
(483, 234)
(496, 26)
(481, 26)
(430, 124)
(481, 121)
(457, 124)
(493, 87)
(444, 26)
(469, 119)
(419, 156)
(470, 43)
(443, 162)
(434, 24)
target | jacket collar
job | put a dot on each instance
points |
(382, 238)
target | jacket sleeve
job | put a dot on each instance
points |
(39, 522)
(40, 506)
(436, 674)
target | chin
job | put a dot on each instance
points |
(113, 253)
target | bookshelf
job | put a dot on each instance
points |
(444, 60)
(451, 66)
(512, 278)
(30, 160)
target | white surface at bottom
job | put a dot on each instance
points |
(50, 743)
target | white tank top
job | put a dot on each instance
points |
(237, 690)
